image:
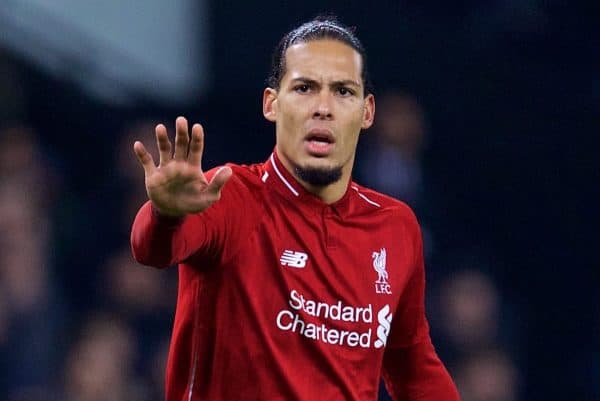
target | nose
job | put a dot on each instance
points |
(323, 107)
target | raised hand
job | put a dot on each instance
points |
(177, 186)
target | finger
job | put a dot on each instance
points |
(163, 143)
(196, 146)
(220, 178)
(144, 157)
(182, 138)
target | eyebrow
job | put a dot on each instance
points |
(343, 82)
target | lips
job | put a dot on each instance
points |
(320, 135)
(319, 142)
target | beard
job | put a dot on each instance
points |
(318, 176)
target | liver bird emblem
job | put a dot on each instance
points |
(379, 265)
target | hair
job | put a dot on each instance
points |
(321, 27)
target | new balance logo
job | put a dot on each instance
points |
(293, 259)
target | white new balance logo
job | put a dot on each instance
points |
(293, 259)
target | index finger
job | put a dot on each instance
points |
(196, 146)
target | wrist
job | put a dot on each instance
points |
(165, 215)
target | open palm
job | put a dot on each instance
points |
(177, 186)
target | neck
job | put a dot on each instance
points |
(330, 193)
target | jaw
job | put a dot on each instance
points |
(325, 164)
(329, 192)
(311, 162)
(318, 177)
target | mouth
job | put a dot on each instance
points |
(319, 142)
(323, 136)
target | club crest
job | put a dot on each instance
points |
(382, 285)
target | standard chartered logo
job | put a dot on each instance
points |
(384, 317)
(289, 319)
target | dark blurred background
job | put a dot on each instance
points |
(487, 123)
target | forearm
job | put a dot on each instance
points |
(158, 241)
(416, 373)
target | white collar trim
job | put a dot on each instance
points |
(282, 178)
(365, 198)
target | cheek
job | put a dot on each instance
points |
(287, 128)
(290, 121)
(353, 126)
(351, 143)
(352, 130)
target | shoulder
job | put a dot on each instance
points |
(243, 175)
(397, 217)
(386, 204)
(244, 185)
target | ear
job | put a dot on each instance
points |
(368, 112)
(270, 104)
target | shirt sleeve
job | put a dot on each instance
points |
(162, 241)
(411, 368)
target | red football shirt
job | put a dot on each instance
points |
(283, 297)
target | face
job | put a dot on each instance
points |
(320, 107)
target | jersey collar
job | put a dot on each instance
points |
(276, 176)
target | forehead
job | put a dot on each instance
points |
(323, 59)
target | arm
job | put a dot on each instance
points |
(162, 241)
(416, 373)
(170, 227)
(411, 369)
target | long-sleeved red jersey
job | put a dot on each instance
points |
(284, 297)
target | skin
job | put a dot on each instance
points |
(321, 90)
(177, 186)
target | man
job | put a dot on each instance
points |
(295, 282)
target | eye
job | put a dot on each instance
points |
(343, 91)
(303, 88)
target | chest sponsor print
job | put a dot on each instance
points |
(295, 319)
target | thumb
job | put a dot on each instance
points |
(219, 179)
(144, 157)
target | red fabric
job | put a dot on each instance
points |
(416, 373)
(279, 298)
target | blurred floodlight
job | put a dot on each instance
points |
(119, 50)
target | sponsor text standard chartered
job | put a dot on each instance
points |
(288, 320)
